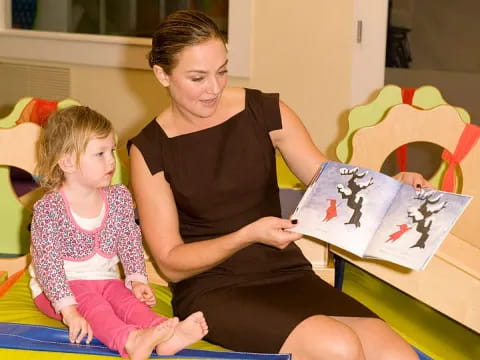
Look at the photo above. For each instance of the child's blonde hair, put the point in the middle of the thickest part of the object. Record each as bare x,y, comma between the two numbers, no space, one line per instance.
67,132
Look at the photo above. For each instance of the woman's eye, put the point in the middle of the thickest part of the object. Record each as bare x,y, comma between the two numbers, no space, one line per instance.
197,79
223,72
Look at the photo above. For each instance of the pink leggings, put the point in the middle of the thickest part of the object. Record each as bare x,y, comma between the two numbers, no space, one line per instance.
110,308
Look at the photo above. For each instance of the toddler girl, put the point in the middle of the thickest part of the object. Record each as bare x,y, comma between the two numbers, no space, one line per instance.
81,229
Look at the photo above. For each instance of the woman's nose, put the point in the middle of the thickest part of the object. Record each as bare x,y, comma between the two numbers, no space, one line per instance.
214,86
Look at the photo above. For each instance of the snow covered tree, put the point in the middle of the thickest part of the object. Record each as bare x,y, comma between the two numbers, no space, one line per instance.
351,192
422,215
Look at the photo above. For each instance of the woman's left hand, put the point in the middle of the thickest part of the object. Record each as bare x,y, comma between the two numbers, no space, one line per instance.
414,179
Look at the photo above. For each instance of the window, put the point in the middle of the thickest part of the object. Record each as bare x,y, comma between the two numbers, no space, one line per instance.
108,17
110,33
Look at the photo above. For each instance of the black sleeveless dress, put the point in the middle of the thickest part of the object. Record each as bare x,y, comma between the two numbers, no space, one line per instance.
224,178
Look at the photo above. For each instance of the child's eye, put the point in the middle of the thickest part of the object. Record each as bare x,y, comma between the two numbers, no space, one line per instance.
223,72
99,153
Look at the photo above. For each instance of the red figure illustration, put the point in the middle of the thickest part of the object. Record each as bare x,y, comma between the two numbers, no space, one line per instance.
396,235
331,211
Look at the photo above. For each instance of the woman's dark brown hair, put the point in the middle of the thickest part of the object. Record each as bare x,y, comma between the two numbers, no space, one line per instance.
180,29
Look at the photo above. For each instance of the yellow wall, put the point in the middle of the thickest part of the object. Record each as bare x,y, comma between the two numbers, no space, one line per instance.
129,98
303,52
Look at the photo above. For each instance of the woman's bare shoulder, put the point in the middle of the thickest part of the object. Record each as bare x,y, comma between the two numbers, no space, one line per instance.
165,121
234,95
233,100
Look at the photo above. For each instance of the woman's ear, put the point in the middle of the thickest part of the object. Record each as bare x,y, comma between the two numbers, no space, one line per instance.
68,163
161,75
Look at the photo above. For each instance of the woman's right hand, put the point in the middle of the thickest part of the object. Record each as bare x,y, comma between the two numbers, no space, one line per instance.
78,327
271,231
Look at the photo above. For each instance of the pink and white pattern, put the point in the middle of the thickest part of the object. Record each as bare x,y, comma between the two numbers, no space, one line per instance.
56,237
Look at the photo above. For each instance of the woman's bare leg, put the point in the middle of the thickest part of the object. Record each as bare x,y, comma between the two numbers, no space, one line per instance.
321,337
379,341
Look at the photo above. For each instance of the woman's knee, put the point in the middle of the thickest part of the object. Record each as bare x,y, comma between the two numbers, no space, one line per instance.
342,343
397,346
321,337
379,340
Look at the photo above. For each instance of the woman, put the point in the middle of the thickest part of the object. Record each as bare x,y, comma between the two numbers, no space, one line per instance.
203,175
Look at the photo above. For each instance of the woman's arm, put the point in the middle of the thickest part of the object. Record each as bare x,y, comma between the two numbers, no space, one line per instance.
303,157
296,146
159,223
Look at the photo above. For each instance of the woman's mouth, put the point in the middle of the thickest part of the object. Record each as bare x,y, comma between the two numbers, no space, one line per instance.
209,102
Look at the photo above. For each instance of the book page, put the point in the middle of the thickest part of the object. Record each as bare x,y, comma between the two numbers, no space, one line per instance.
344,205
415,226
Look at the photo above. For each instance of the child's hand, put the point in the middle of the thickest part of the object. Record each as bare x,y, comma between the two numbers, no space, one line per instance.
78,327
144,293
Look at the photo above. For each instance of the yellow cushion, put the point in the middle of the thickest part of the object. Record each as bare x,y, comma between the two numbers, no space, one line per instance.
17,306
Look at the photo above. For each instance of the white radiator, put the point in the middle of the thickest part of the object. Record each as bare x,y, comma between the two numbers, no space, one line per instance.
22,80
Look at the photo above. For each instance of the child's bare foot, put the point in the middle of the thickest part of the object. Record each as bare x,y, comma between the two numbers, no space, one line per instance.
187,332
140,343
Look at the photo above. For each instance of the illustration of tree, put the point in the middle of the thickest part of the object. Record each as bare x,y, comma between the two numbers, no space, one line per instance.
351,192
422,215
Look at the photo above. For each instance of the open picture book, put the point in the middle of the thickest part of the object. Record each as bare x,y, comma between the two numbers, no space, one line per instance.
373,215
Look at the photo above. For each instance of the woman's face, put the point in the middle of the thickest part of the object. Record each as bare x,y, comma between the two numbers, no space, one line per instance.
197,81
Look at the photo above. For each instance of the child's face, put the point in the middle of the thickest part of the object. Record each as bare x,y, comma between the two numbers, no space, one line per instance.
97,164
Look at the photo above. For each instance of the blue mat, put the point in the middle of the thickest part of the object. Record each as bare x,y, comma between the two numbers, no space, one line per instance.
45,338
422,356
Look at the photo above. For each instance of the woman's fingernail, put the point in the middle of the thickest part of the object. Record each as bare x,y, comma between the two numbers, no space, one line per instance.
294,221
